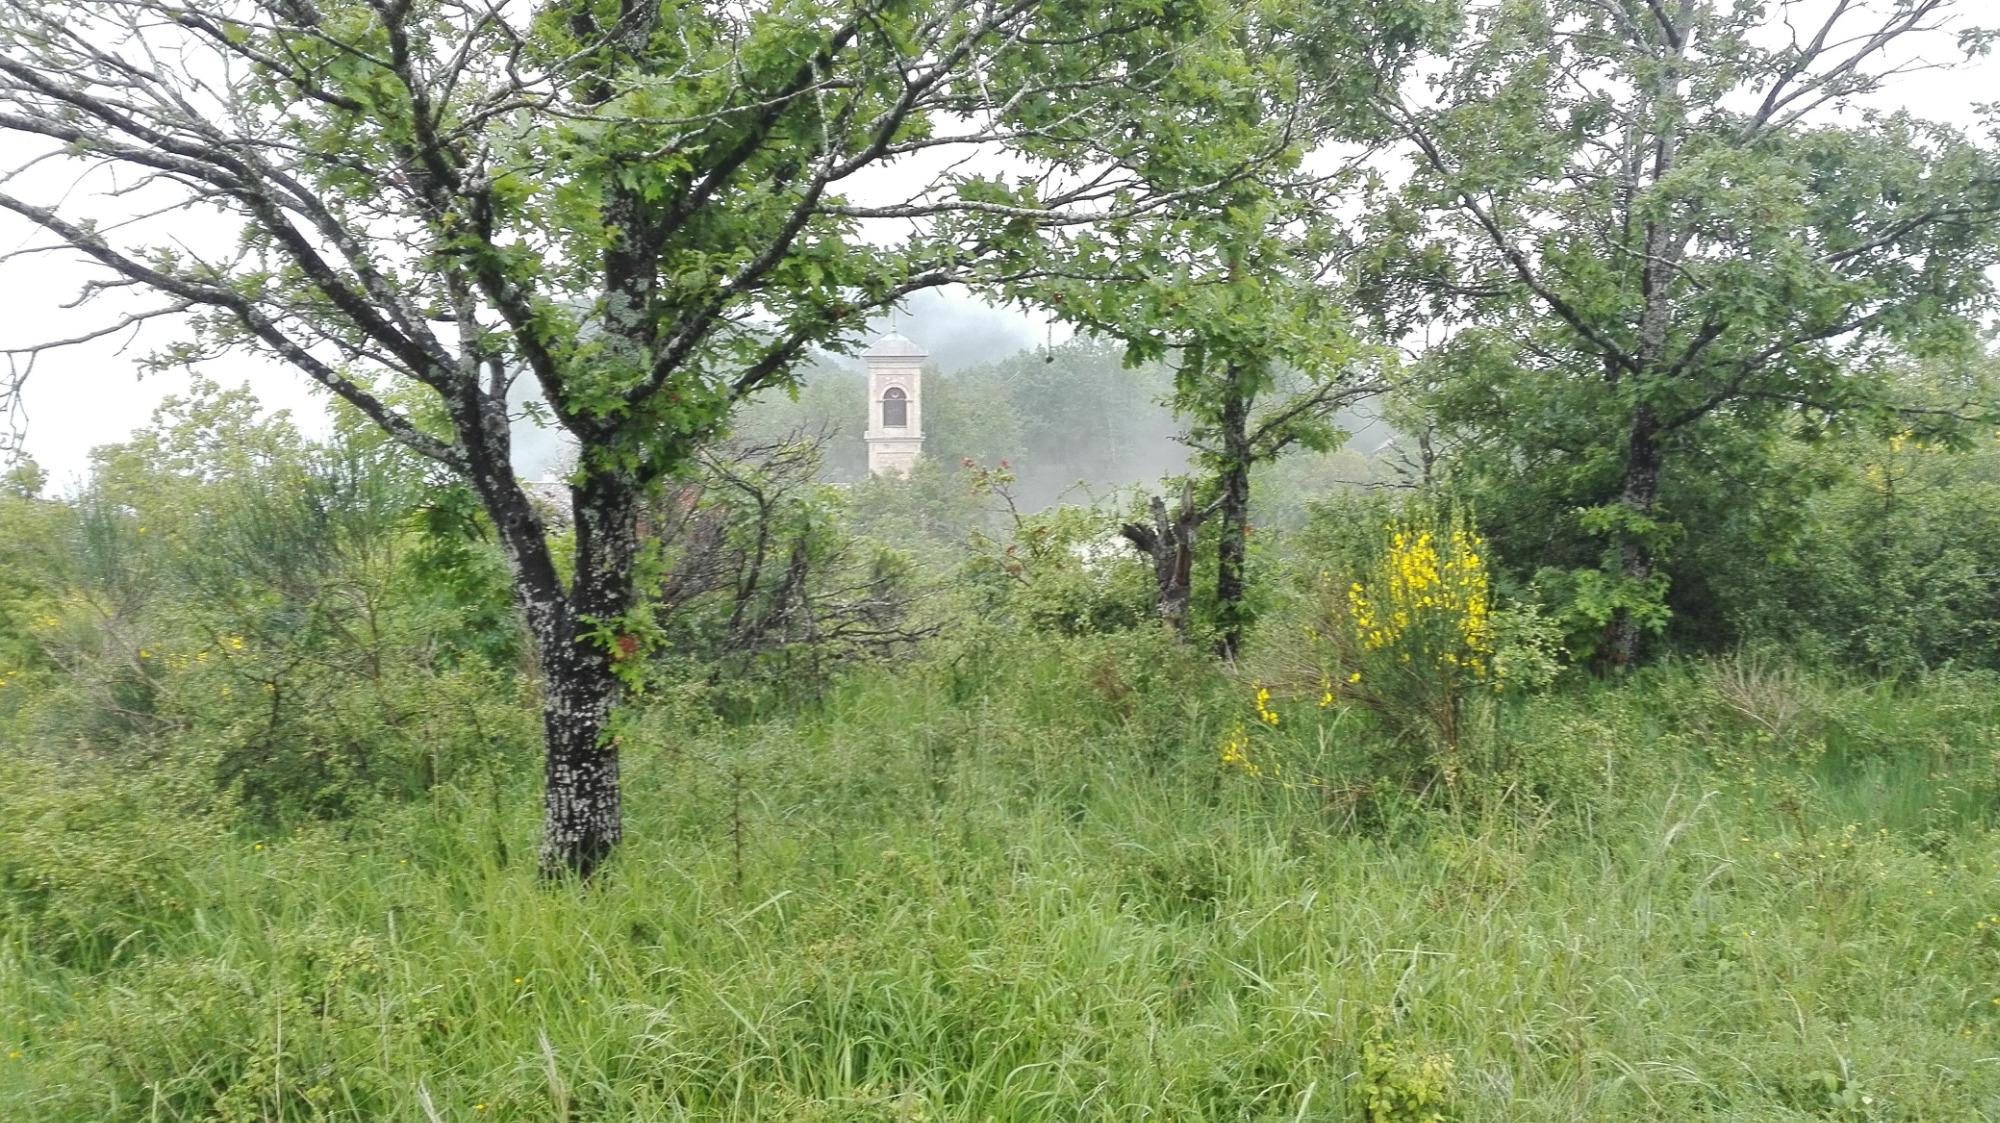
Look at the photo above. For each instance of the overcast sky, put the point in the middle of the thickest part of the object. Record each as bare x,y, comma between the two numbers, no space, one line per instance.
91,395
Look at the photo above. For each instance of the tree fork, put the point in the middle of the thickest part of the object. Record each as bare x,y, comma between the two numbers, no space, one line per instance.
1170,543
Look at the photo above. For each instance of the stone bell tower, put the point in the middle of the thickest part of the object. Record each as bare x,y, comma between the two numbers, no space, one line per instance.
895,431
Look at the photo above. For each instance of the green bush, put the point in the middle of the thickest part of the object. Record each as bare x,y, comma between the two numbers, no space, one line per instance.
284,618
1404,634
93,866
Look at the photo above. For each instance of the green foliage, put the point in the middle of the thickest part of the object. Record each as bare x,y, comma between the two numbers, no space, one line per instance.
1399,1086
933,510
1228,280
830,401
1891,568
1400,627
1008,886
266,705
454,570
92,862
1667,261
1063,570
27,594
648,212
310,625
1057,416
764,584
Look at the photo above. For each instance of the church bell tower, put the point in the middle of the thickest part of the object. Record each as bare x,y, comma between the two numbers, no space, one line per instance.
895,432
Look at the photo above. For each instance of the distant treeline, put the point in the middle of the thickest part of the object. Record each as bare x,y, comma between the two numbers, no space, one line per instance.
1071,421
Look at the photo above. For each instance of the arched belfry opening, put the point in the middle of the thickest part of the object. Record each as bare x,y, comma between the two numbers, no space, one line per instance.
895,431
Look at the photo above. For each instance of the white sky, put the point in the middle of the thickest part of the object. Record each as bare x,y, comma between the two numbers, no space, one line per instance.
89,395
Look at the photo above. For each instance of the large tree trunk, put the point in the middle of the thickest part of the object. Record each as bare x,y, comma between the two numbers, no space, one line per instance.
1643,457
582,821
582,812
1232,545
582,816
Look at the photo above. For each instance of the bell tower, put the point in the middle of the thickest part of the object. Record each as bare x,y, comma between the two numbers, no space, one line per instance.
895,432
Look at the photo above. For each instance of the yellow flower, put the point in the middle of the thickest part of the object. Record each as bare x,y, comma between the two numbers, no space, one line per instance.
1236,752
1354,678
1264,711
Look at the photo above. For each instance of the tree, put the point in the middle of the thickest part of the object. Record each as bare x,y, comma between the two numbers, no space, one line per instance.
651,211
1657,235
1234,284
1258,325
26,521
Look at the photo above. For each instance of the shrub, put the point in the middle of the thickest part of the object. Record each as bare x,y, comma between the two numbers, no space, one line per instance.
1400,1084
284,620
1407,632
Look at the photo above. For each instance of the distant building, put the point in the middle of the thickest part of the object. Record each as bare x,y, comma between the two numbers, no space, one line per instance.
550,498
895,431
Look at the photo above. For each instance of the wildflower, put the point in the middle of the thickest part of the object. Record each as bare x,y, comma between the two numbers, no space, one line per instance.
1423,579
1236,753
1264,711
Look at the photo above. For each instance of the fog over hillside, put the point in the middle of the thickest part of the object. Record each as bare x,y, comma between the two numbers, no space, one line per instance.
1070,421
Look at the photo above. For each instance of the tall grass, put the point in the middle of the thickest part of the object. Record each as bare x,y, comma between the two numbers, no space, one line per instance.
1033,895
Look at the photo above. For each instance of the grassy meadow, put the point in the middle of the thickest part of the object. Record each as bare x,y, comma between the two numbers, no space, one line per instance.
1421,561
1028,890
